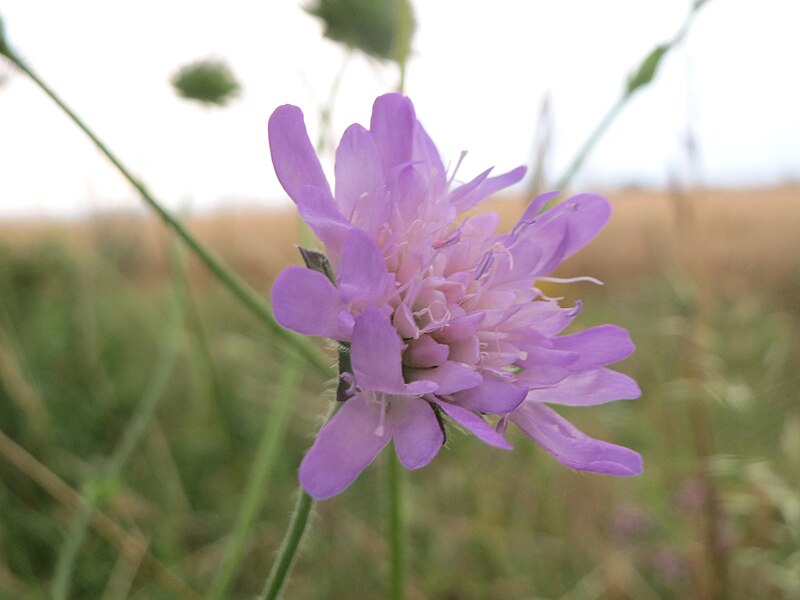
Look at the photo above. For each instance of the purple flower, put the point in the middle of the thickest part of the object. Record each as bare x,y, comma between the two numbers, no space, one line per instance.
440,313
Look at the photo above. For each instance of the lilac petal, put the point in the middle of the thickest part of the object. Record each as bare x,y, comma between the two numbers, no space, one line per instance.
572,447
362,272
360,184
415,430
392,127
588,388
530,214
376,354
344,447
425,151
466,351
317,209
451,377
553,240
597,346
424,353
460,328
307,302
584,216
522,263
295,161
475,424
486,188
493,395
464,192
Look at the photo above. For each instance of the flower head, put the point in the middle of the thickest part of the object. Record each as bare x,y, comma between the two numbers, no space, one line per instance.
440,313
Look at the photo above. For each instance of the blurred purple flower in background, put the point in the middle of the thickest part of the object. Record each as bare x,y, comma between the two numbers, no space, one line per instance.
440,313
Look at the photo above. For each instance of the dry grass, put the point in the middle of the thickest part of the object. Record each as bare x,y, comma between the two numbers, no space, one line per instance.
735,237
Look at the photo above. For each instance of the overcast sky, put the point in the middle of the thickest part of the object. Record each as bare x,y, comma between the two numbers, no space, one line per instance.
478,76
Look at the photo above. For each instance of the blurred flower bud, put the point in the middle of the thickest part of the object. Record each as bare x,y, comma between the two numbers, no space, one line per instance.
380,28
206,81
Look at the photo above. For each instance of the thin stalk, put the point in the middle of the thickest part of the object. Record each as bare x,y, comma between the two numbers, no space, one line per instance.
288,551
240,289
257,484
397,562
165,364
293,537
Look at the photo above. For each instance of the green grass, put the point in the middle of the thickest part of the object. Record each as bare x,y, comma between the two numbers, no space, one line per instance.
80,337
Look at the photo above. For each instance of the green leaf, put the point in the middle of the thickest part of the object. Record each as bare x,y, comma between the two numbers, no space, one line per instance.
4,49
647,70
379,28
206,81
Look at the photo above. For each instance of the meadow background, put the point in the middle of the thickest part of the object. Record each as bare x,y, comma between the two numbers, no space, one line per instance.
707,282
139,398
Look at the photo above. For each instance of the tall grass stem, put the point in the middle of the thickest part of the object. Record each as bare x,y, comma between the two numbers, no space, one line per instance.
165,365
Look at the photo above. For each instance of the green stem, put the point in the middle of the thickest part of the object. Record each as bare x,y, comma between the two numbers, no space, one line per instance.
627,94
68,554
223,273
257,484
293,538
397,563
288,551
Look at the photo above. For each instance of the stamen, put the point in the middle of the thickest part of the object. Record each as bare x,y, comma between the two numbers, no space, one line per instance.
458,164
484,265
576,309
571,279
520,226
453,238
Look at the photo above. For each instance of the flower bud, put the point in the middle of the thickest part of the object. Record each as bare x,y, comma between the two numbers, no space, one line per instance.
206,81
379,28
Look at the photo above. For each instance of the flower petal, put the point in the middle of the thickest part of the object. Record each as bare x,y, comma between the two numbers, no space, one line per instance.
392,127
317,209
531,213
493,395
588,388
597,346
425,152
425,352
295,161
415,429
459,328
360,184
570,446
464,200
307,302
569,226
376,354
362,272
476,425
344,447
451,376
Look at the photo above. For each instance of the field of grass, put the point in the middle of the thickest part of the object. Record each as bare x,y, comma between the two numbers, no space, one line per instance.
103,317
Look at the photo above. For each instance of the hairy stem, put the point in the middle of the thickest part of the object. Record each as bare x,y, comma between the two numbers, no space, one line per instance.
291,543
